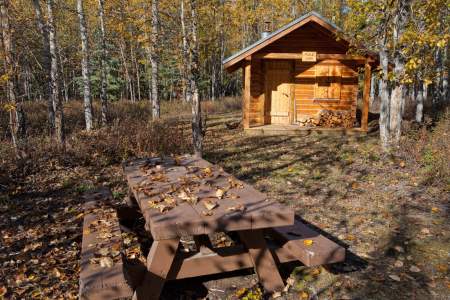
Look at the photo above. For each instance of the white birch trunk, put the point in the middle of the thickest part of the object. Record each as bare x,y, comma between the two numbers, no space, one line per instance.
154,59
85,67
56,98
185,51
384,98
46,62
103,66
197,124
419,102
397,96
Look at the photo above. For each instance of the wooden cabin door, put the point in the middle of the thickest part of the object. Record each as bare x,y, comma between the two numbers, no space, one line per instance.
279,89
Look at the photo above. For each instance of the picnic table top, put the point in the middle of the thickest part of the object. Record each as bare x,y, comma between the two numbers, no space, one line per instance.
190,196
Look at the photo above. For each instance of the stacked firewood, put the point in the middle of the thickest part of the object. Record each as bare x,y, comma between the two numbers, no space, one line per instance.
328,119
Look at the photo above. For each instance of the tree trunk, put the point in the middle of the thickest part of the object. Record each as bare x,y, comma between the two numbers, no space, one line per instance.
63,77
185,51
54,75
419,102
397,96
85,67
46,62
103,66
384,97
16,114
154,57
197,124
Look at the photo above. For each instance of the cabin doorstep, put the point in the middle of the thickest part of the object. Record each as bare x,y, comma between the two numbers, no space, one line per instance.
301,76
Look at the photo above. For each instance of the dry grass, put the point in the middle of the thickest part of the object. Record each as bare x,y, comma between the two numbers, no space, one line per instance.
429,148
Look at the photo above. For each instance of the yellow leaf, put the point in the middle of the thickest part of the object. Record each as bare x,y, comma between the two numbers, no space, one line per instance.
3,291
304,295
308,242
240,292
9,107
442,268
435,209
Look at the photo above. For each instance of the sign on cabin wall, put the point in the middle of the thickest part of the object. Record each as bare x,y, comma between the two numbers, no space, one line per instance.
309,56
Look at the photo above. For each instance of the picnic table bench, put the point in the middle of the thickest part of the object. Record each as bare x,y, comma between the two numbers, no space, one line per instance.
187,196
102,274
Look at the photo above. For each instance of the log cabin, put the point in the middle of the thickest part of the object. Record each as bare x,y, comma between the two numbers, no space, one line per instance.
301,76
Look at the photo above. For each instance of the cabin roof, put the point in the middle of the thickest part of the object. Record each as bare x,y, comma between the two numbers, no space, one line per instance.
283,31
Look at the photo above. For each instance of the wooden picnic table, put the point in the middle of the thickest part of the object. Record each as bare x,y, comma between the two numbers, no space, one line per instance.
187,196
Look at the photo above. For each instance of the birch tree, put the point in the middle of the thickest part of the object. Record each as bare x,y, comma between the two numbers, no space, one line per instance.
16,113
103,65
397,97
154,59
85,66
185,55
46,61
54,76
197,124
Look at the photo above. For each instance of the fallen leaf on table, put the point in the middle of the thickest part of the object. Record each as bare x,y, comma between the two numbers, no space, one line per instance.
170,200
395,278
220,193
308,242
414,269
209,204
239,207
103,251
106,262
183,195
276,295
207,171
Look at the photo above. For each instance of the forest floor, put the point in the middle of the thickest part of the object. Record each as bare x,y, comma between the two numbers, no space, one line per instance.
395,223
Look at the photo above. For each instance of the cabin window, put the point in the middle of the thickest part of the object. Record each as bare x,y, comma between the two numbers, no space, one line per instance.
328,83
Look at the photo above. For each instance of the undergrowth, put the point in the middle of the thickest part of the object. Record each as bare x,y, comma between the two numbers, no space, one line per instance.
430,149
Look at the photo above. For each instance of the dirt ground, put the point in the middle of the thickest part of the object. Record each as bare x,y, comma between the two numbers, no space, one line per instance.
395,225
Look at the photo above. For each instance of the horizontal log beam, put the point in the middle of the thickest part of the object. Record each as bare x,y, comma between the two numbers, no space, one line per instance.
298,56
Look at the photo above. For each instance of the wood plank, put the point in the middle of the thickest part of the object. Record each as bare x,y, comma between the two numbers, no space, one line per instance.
98,282
262,260
321,251
320,56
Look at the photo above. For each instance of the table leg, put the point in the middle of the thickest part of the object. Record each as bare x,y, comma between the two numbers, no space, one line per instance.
159,262
262,259
203,244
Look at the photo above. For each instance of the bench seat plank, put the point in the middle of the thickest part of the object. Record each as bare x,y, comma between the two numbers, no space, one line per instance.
100,282
322,251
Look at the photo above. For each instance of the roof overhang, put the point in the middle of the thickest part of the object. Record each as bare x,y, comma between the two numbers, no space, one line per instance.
238,59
